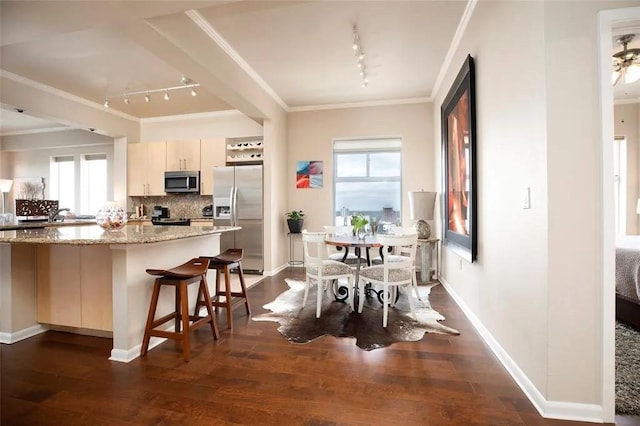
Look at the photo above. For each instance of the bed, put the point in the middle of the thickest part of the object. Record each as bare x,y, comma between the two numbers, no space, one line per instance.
628,280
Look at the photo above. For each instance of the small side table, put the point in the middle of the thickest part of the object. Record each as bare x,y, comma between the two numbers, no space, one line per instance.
427,247
292,246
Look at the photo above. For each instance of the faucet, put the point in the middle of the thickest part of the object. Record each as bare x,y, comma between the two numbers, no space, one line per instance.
54,214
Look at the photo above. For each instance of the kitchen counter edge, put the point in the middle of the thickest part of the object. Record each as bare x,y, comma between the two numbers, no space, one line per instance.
93,235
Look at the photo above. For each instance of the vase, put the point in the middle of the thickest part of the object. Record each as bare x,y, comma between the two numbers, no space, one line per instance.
295,225
361,233
110,217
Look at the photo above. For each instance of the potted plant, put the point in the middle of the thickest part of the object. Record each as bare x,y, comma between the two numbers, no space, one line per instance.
359,222
295,221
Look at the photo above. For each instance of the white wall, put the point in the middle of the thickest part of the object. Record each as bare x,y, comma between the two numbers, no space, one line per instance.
225,124
311,136
536,288
35,163
506,287
627,124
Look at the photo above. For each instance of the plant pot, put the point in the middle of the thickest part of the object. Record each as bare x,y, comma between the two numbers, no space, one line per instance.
295,225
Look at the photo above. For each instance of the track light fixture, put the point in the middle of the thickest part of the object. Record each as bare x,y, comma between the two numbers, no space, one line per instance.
359,52
187,83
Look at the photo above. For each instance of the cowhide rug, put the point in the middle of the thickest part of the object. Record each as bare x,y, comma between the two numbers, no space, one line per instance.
300,325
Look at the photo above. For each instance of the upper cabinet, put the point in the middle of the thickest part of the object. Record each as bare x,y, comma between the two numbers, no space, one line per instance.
183,155
146,163
212,154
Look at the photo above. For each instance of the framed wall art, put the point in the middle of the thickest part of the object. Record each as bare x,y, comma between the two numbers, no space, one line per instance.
309,174
459,165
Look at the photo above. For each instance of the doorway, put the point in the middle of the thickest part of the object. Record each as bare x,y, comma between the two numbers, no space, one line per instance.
608,21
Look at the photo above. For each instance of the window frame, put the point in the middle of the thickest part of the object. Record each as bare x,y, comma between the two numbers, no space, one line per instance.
366,146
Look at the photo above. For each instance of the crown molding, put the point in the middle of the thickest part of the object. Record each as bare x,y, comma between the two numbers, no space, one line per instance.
626,101
455,42
194,116
66,95
33,131
208,29
362,104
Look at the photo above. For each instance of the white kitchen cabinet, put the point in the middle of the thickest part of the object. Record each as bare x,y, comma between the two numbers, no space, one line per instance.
213,154
146,164
183,155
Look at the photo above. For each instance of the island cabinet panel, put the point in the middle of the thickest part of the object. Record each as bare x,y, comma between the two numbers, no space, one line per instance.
23,287
74,286
183,155
212,154
96,290
146,164
58,285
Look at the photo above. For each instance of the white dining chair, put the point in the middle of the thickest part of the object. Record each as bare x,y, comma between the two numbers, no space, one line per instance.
320,269
343,255
400,230
396,270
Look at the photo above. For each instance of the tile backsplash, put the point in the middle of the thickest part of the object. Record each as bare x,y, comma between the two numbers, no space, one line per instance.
180,205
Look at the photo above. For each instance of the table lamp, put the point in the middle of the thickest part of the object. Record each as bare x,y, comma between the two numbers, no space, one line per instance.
5,187
421,204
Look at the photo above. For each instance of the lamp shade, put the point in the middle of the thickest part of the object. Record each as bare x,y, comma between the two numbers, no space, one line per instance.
5,185
421,204
638,207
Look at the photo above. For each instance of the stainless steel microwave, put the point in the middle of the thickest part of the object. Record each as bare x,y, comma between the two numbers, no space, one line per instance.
183,181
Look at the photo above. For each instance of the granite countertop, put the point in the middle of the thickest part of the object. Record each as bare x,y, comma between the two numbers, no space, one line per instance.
83,234
44,224
78,222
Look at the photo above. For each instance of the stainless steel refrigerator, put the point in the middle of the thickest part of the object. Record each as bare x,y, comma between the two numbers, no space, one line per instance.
237,201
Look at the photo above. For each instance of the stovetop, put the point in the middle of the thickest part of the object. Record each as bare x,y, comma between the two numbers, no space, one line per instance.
171,221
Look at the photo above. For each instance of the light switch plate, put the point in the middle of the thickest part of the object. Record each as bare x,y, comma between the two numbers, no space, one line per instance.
527,198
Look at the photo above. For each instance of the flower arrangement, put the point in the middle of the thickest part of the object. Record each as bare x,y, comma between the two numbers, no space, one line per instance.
359,222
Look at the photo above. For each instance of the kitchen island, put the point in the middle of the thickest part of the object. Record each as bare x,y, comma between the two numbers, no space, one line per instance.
86,280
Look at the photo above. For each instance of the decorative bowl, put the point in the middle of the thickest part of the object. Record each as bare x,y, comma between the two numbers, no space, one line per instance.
111,217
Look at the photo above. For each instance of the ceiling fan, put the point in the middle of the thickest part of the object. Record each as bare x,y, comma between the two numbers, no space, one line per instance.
626,63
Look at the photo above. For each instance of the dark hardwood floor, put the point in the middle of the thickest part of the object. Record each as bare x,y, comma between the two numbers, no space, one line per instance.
252,375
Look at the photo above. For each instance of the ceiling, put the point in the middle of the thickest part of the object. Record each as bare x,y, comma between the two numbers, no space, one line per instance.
298,51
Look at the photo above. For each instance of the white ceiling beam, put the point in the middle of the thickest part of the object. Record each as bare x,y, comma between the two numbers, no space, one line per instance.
178,41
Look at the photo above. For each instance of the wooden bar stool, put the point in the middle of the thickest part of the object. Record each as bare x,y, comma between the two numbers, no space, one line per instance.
230,258
180,277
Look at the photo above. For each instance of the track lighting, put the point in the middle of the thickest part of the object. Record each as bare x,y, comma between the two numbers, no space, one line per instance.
129,97
359,52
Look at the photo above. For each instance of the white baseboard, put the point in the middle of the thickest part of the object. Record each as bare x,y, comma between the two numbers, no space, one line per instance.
9,338
548,409
128,355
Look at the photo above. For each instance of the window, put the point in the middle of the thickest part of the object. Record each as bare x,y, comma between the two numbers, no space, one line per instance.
367,179
620,184
79,185
93,182
62,170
